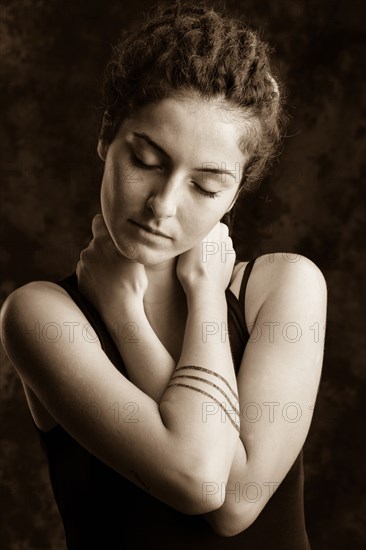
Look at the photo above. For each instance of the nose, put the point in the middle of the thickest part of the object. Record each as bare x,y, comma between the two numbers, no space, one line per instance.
162,202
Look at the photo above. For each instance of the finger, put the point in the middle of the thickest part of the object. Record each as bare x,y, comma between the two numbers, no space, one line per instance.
82,258
90,253
98,225
225,228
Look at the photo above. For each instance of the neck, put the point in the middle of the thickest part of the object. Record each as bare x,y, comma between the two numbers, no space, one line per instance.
164,284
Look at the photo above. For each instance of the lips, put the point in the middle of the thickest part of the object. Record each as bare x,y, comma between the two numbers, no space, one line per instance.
151,229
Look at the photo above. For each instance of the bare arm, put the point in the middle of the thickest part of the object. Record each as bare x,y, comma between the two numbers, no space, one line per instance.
295,297
279,374
70,376
149,365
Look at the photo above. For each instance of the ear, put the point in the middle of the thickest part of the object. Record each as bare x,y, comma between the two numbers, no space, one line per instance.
102,149
234,200
232,204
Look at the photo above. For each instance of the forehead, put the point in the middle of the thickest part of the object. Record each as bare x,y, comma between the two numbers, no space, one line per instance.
190,130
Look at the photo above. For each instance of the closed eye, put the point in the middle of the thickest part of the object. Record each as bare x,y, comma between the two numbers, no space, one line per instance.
138,162
210,194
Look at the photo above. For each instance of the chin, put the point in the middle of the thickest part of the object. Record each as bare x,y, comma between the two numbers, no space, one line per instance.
139,253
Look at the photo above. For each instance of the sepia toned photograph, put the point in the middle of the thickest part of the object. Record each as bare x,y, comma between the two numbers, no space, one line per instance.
182,275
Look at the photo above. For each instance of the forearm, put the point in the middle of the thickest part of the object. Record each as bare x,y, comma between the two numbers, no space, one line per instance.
206,342
205,416
149,365
204,410
67,375
223,520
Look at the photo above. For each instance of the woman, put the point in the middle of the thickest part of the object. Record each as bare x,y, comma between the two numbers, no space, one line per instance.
172,387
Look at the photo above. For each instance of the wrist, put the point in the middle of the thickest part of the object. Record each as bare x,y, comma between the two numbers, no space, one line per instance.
203,289
130,309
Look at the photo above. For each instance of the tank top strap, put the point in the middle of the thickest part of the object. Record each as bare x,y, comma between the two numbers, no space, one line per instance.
244,282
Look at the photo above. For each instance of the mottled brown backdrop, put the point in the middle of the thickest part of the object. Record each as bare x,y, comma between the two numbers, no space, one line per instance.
52,58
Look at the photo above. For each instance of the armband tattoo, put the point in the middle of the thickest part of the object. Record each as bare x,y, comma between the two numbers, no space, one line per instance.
211,384
211,397
208,371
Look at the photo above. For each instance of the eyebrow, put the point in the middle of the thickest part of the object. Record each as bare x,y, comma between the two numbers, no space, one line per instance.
156,146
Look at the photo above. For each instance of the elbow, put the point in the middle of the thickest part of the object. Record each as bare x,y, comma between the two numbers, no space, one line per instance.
200,477
204,493
201,498
231,530
233,524
195,505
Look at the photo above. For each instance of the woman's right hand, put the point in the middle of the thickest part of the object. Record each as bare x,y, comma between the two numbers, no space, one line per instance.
105,277
210,263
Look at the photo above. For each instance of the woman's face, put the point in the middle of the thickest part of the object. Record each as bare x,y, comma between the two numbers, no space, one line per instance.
164,172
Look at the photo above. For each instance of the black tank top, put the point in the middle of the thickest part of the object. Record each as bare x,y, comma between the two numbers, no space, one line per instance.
102,509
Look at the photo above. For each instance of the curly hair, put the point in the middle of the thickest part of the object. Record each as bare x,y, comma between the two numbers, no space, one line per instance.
192,47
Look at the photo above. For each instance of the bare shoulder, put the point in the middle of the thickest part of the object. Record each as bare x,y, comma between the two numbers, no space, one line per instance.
42,301
35,290
275,274
41,310
277,268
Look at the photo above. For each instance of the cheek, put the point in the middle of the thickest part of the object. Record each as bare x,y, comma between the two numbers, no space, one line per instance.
109,202
120,186
198,222
104,200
